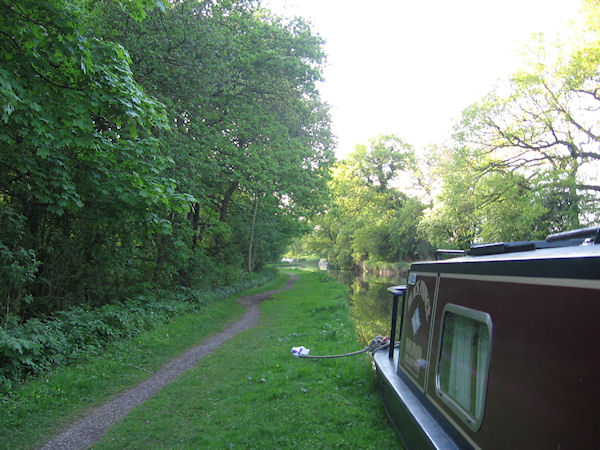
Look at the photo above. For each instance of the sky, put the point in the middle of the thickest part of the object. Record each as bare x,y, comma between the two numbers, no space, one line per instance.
411,67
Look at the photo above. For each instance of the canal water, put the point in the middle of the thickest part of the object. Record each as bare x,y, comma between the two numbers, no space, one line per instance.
370,303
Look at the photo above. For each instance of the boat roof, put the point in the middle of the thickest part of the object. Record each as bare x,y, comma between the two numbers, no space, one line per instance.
565,255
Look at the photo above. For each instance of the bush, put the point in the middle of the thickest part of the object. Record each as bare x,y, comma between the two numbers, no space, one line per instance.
38,345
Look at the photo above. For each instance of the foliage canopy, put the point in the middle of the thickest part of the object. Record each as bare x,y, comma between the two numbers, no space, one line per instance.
147,143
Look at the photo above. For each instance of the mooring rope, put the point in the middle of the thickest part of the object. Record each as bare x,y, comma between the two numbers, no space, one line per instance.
377,343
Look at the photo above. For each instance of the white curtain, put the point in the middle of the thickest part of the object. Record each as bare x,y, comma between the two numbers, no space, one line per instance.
465,355
461,364
483,356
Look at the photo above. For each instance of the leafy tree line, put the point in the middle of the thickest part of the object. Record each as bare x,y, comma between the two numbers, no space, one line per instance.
148,144
524,162
525,159
369,216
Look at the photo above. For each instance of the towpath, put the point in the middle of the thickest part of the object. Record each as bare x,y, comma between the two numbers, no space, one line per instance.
97,421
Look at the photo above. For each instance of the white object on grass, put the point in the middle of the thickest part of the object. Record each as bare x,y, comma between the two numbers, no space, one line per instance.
300,351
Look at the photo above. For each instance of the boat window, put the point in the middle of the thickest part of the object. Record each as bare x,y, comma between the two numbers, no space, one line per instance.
463,362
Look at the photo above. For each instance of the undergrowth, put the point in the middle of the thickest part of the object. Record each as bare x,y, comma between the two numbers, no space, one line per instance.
38,345
41,407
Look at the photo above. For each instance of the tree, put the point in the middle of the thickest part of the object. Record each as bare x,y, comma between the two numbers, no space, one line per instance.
381,163
248,127
151,143
368,217
543,125
525,158
478,206
83,179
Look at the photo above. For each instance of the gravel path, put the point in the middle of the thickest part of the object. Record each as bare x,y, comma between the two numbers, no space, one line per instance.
96,422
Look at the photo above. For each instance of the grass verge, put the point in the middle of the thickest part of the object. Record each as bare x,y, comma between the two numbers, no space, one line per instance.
36,410
251,393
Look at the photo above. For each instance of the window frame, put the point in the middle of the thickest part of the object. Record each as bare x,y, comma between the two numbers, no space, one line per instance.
474,423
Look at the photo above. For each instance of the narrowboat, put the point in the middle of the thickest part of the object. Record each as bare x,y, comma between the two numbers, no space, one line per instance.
498,348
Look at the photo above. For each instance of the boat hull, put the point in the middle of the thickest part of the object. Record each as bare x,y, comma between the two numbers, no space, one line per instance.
417,427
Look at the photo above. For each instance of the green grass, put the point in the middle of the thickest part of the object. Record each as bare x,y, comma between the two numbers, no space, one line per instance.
251,393
40,408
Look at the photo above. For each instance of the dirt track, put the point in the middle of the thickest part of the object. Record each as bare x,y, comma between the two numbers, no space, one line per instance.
97,421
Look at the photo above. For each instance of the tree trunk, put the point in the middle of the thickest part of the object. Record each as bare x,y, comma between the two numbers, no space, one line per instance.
252,235
226,200
194,215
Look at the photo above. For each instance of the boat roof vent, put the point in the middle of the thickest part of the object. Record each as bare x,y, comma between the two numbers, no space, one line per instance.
566,239
501,247
592,233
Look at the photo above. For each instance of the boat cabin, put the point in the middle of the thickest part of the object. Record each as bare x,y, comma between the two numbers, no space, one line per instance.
498,348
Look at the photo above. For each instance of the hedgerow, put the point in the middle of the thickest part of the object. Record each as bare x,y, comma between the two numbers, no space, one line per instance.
38,345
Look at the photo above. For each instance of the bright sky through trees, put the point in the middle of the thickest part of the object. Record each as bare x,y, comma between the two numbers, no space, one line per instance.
410,68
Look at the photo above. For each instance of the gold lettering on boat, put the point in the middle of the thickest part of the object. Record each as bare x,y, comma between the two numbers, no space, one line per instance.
420,291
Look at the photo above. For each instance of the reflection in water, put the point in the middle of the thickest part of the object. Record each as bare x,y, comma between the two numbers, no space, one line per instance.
370,304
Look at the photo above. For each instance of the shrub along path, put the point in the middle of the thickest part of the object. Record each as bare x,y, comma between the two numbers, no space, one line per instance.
95,423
